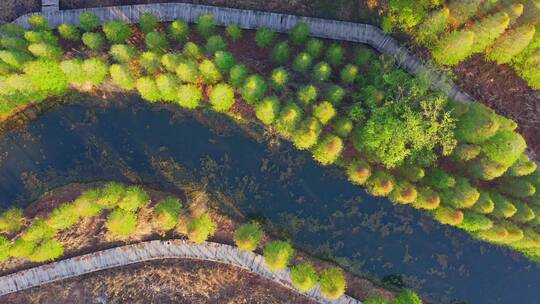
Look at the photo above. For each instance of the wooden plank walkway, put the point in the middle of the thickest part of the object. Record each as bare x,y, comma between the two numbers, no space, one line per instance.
249,19
154,250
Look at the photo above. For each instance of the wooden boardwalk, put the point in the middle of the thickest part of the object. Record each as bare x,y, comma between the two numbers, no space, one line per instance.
154,250
249,19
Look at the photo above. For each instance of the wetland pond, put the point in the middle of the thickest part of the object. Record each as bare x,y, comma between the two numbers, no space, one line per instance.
316,206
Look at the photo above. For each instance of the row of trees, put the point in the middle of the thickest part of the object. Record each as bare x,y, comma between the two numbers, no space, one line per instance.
36,241
504,33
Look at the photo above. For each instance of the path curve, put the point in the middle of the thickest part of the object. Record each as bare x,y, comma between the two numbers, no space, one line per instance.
154,250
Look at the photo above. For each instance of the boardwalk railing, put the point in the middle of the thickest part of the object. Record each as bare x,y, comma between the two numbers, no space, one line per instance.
154,250
249,19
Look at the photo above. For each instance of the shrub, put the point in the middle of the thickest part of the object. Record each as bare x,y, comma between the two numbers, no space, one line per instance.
264,37
253,89
335,55
289,117
167,86
484,204
328,150
209,72
439,179
148,22
192,50
4,249
307,94
96,70
426,199
206,25
39,23
299,34
45,51
465,152
324,112
110,195
473,221
166,212
178,30
302,62
122,76
38,230
93,41
62,217
314,47
156,41
462,195
454,47
267,109
69,32
189,96
279,78
307,134
151,62
85,205
233,32
47,76
14,43
200,228
485,169
117,31
477,124
503,207
238,74
21,248
380,183
332,282
215,43
222,97
304,277
523,166
277,254
47,251
89,21
321,71
224,61
11,220
348,74
248,236
281,52
448,216
505,147
121,222
187,71
15,59
123,52
407,297
134,198
171,61
403,193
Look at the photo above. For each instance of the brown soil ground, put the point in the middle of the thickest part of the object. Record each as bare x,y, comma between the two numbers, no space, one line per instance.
166,281
90,235
11,9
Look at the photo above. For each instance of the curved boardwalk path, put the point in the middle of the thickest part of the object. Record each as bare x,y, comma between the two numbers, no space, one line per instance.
249,19
153,250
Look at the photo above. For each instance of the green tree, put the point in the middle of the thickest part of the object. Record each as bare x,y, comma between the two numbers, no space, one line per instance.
14,59
486,169
170,61
39,23
178,30
21,248
85,205
403,193
335,54
448,216
89,21
264,37
487,30
407,297
156,42
279,78
147,88
454,47
96,70
110,195
200,228
277,254
134,198
167,86
209,72
342,126
348,74
12,30
238,74
253,89
314,47
14,43
233,31
189,96
93,41
62,217
505,147
375,299
4,249
166,212
121,222
465,152
429,30
462,195
206,25
523,213
215,43
222,97
116,31
69,32
11,220
503,207
302,62
511,43
473,221
122,76
516,187
289,118
307,134
380,183
462,10
299,34
267,109
192,50
187,71
328,150
494,234
45,51
307,94
148,22
47,251
123,52
41,36
321,72
281,53
47,76
224,61
37,231
324,112
304,277
523,166
485,204
358,171
427,199
439,179
411,172
332,282
248,236
477,124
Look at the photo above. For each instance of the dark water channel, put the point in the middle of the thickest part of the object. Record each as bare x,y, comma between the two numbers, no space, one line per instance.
321,211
